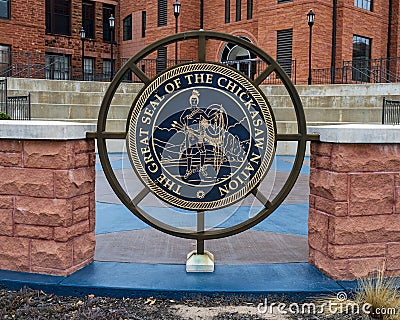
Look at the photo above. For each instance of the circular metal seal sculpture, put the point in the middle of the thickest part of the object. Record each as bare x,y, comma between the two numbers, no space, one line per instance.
201,136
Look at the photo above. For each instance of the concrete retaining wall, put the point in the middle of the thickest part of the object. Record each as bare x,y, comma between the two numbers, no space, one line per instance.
323,104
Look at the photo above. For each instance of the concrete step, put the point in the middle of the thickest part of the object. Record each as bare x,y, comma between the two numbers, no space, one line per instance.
77,111
68,86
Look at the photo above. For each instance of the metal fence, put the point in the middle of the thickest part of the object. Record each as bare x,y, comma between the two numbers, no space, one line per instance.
390,112
360,71
3,95
17,107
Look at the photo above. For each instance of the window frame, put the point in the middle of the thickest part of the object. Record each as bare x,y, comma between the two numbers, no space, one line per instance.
361,62
88,68
87,23
250,7
53,17
107,11
8,10
127,28
61,73
238,6
144,23
227,11
5,57
367,5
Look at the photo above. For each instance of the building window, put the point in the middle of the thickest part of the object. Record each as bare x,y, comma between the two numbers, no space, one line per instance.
88,68
238,10
361,59
161,62
283,1
58,17
239,58
144,23
5,9
363,4
57,67
5,60
162,13
88,18
227,11
284,50
249,9
127,28
106,69
107,12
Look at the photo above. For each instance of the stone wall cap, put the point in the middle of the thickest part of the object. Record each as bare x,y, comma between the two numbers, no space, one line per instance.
44,130
357,133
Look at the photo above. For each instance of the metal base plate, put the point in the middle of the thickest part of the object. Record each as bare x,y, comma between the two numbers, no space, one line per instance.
200,262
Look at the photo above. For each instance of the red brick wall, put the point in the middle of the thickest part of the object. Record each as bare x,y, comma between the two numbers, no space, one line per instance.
268,17
354,217
47,205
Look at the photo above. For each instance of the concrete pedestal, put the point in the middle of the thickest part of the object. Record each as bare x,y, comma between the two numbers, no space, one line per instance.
47,200
200,262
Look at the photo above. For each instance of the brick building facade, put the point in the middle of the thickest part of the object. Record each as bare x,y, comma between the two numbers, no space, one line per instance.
362,29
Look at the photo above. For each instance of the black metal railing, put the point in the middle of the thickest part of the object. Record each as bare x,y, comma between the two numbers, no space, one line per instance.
390,112
3,95
19,107
360,71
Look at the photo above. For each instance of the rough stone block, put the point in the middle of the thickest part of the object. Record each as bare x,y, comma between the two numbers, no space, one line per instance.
337,269
358,268
64,234
82,160
42,211
6,202
71,183
27,182
48,154
33,232
371,194
323,163
10,145
361,250
10,159
328,184
311,201
92,212
51,254
81,214
318,230
331,207
6,222
80,202
84,146
393,256
14,254
84,247
364,229
321,148
363,158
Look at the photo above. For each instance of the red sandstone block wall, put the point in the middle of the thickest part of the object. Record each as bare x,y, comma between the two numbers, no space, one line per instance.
47,205
354,215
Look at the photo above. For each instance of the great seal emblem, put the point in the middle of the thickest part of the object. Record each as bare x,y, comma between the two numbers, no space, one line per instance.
201,136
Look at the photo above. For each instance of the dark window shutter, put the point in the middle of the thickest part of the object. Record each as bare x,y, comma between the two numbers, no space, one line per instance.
161,63
162,13
284,49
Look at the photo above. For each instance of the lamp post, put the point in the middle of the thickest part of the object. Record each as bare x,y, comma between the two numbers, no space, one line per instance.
177,11
111,22
310,19
83,36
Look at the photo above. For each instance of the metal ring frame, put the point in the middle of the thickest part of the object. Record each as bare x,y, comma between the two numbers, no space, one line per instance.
300,137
